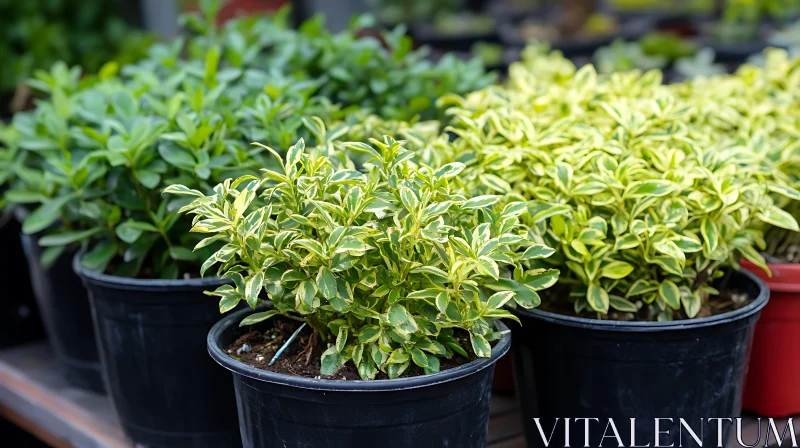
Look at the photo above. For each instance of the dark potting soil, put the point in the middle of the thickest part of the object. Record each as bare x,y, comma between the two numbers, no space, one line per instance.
302,357
728,300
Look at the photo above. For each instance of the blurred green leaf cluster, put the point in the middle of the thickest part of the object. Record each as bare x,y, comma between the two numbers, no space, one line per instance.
34,34
90,162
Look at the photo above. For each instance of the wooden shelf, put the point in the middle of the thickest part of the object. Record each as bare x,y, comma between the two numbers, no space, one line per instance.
35,396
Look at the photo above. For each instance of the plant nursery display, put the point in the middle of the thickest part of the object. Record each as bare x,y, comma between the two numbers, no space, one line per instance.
649,210
384,275
356,229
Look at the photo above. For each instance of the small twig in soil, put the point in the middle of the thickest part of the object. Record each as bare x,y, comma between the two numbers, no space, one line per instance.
285,345
311,342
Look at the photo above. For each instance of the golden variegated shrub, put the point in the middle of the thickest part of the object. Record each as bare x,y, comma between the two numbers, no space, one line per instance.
648,191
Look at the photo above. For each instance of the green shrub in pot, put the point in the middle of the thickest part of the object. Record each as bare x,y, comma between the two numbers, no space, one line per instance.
383,266
645,212
107,151
755,116
650,211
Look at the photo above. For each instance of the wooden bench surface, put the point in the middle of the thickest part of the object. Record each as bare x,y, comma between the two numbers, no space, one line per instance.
35,396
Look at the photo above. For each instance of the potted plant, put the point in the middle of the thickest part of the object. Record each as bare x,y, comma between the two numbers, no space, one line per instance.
60,297
765,144
19,313
97,158
380,296
649,219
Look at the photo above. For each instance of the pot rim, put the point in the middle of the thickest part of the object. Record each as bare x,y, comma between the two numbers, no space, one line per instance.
238,367
785,276
644,327
113,281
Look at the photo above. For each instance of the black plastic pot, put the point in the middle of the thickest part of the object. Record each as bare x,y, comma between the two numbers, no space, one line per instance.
424,34
64,308
150,333
19,314
449,408
571,47
568,367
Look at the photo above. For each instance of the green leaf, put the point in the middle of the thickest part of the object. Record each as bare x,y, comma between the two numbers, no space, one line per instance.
182,254
550,211
50,255
537,251
341,338
431,271
176,156
400,318
498,299
710,236
66,238
616,270
495,183
24,197
627,241
295,153
419,357
433,365
258,317
539,279
306,292
670,293
779,218
650,188
623,305
784,190
326,283
692,305
149,179
331,361
640,287
480,346
182,190
128,232
98,258
46,215
449,170
598,298
410,201
399,356
369,333
395,370
489,267
671,250
480,202
253,289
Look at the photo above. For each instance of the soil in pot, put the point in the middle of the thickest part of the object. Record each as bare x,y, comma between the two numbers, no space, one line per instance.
771,387
573,367
302,356
64,308
19,314
165,389
449,408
